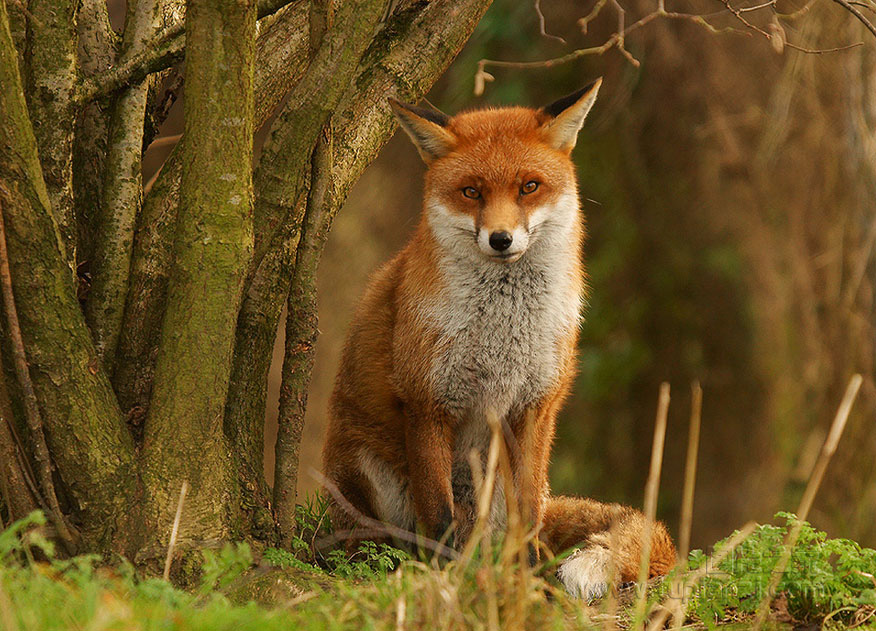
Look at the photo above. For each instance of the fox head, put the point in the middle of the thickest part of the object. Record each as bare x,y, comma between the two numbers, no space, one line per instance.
499,180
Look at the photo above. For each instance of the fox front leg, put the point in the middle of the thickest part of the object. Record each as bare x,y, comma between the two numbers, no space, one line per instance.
428,443
534,432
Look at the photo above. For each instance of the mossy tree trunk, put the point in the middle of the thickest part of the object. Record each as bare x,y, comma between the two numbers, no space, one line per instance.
183,438
157,377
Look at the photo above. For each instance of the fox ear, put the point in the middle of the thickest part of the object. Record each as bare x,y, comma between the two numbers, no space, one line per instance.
427,129
565,117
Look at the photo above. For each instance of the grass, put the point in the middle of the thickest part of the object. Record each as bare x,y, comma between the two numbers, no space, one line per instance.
828,581
768,576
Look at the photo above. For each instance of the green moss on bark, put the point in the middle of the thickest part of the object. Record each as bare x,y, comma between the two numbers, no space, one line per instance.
89,443
183,438
278,65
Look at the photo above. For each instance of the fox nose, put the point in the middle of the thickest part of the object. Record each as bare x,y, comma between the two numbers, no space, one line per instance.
501,241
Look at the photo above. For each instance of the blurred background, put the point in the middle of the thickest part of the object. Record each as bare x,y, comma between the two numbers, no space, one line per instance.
729,189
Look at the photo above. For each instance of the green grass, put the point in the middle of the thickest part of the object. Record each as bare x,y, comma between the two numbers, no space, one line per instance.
379,587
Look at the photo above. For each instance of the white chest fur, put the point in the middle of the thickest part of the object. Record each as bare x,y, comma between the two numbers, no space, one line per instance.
501,324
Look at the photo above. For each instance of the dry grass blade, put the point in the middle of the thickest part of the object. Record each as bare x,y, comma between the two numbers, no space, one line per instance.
175,529
690,471
827,451
651,488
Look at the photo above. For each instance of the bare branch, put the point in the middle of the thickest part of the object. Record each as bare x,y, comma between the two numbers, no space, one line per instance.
121,195
861,17
302,331
538,12
281,49
618,38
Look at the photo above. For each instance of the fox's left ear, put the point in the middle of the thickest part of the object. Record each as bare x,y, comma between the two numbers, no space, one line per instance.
565,117
427,129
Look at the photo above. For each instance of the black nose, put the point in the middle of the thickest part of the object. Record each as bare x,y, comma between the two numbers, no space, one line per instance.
501,241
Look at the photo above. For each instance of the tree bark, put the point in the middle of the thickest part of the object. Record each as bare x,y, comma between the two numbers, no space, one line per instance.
16,491
121,195
183,438
91,448
280,173
98,47
278,65
302,331
51,83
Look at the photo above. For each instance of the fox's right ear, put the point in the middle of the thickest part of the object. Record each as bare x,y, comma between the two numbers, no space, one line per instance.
427,128
565,117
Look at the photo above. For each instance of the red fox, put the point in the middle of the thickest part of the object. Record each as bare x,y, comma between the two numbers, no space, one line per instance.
479,315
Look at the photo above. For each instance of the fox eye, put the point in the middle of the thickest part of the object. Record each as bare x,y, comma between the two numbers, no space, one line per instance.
471,192
529,187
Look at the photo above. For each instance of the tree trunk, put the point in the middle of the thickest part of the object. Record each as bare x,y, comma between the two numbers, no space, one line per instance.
183,439
90,446
281,47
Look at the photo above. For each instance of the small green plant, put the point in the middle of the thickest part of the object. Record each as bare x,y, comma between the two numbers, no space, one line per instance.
219,569
825,577
370,561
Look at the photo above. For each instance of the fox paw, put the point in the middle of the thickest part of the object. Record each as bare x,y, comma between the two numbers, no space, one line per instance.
585,573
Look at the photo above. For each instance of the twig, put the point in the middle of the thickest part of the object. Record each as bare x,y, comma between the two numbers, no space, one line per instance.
861,17
378,526
811,51
175,529
827,451
621,17
31,407
537,6
651,488
690,471
864,5
584,22
617,40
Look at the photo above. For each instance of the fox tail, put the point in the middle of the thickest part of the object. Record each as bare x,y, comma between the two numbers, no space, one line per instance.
608,538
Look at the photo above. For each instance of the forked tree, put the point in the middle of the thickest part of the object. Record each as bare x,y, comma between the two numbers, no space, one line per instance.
138,321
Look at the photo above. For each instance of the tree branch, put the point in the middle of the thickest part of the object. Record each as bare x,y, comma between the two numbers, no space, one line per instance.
857,13
51,83
404,60
163,51
302,331
279,180
121,195
279,175
98,48
616,40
